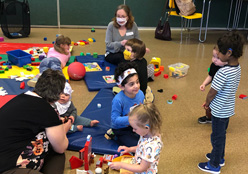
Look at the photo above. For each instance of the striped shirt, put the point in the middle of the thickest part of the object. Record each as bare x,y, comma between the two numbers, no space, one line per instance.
225,82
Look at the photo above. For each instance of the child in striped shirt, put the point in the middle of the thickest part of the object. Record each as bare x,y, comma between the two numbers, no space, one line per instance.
221,98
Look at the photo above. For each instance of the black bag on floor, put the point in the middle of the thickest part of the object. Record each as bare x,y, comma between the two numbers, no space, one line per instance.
163,30
15,18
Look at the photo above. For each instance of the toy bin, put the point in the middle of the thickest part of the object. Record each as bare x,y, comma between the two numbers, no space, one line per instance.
19,57
178,70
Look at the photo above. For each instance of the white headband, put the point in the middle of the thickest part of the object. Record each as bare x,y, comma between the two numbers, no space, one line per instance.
125,74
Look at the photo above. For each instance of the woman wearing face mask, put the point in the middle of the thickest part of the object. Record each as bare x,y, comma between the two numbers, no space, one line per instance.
120,29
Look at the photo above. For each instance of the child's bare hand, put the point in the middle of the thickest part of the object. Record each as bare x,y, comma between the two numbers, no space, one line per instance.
72,119
123,149
123,42
147,50
205,106
202,87
94,122
62,119
115,165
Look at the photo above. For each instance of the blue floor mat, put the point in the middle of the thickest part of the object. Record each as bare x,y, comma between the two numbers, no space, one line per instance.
94,80
13,87
100,144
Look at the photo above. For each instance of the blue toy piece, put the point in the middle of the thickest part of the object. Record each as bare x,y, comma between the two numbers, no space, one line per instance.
45,38
88,54
94,40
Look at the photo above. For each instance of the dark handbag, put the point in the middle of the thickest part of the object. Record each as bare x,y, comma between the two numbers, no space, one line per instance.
163,31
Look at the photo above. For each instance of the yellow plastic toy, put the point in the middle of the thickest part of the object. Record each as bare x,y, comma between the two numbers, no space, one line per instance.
90,40
156,62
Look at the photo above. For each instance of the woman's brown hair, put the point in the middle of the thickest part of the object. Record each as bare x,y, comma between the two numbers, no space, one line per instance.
130,21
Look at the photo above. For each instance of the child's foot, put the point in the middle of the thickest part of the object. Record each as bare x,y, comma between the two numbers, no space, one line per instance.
206,167
80,128
94,122
149,95
204,120
222,161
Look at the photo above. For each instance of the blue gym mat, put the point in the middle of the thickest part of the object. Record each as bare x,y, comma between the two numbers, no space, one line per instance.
100,144
13,87
94,80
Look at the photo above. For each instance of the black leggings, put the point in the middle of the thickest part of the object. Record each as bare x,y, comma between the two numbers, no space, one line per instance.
126,136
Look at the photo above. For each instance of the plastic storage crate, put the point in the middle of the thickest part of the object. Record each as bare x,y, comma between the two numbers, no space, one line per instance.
19,57
178,70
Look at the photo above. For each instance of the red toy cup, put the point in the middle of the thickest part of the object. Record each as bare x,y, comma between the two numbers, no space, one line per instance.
166,76
174,97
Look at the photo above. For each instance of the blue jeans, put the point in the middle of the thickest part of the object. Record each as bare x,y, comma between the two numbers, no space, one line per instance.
218,140
51,62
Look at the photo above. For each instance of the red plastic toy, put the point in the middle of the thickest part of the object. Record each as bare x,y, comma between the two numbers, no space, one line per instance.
87,152
2,62
157,73
242,96
35,63
75,162
22,85
166,76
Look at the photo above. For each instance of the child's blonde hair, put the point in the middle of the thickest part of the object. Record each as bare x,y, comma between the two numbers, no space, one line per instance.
147,115
61,40
138,47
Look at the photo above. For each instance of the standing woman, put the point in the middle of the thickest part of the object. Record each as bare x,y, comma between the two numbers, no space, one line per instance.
120,29
33,138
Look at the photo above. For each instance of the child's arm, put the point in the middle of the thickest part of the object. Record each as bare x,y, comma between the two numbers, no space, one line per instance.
126,149
206,82
117,119
136,168
211,95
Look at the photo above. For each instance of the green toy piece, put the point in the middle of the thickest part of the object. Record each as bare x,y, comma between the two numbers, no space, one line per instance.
81,54
95,55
